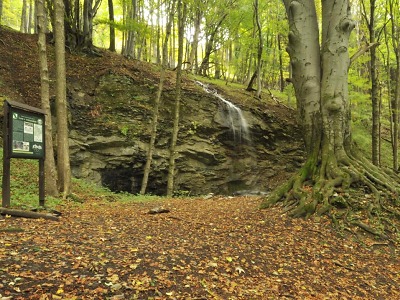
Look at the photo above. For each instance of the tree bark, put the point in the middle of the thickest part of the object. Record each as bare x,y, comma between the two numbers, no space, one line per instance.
395,41
24,18
259,49
157,101
204,66
333,162
30,24
1,10
178,90
63,162
158,34
112,28
376,113
304,51
50,167
195,43
129,49
27,214
281,77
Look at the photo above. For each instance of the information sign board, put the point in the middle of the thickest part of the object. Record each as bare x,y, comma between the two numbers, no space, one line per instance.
23,137
27,134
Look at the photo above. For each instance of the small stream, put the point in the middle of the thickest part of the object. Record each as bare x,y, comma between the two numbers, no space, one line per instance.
235,118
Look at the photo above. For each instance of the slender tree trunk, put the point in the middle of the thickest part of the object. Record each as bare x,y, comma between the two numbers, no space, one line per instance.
395,113
50,166
112,28
178,89
158,35
30,23
260,48
89,12
157,101
203,70
376,113
395,78
394,107
251,81
86,16
281,78
35,19
131,34
1,10
195,43
63,162
24,20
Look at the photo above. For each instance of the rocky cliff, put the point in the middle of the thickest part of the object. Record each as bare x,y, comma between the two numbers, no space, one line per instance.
109,140
110,102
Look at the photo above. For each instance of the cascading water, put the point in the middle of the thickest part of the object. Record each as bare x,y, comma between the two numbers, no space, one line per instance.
235,118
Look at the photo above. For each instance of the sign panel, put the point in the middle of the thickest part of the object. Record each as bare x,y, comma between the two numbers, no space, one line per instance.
23,137
27,134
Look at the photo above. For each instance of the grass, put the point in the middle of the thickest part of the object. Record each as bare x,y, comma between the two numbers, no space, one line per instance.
24,188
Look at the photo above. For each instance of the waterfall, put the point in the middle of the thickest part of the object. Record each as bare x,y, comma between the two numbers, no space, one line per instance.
235,118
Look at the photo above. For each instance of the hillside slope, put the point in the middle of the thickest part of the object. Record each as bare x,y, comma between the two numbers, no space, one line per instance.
110,101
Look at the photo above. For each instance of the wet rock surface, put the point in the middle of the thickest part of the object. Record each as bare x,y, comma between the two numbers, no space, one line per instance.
109,140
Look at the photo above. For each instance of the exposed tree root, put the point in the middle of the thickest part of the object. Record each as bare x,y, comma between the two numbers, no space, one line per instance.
353,192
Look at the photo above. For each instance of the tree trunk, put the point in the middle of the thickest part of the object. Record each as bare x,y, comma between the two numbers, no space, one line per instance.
281,78
158,33
131,34
63,162
157,101
195,42
376,113
394,77
112,28
87,4
50,167
395,112
178,89
304,51
333,163
31,19
79,28
260,48
89,12
27,214
1,10
251,82
204,66
24,19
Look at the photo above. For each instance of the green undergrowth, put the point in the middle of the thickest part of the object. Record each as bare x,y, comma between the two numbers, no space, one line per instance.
24,177
84,190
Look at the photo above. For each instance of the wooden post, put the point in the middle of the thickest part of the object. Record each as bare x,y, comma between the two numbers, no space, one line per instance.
6,157
41,182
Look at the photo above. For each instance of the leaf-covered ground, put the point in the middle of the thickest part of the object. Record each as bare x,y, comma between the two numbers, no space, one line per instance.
220,248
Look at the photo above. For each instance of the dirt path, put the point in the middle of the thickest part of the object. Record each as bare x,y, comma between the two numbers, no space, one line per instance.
219,248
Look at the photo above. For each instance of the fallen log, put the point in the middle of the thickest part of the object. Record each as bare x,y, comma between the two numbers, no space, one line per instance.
27,214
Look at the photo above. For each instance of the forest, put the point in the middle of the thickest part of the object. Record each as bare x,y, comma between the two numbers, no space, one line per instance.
245,44
336,64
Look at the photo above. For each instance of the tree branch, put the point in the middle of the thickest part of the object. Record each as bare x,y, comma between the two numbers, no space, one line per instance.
362,50
27,214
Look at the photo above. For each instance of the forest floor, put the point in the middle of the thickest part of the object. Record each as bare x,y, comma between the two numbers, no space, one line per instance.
219,248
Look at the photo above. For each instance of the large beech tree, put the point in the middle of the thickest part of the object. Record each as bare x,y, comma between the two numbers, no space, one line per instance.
320,65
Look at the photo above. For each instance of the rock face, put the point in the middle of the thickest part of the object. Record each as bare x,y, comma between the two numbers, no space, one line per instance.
110,102
110,134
